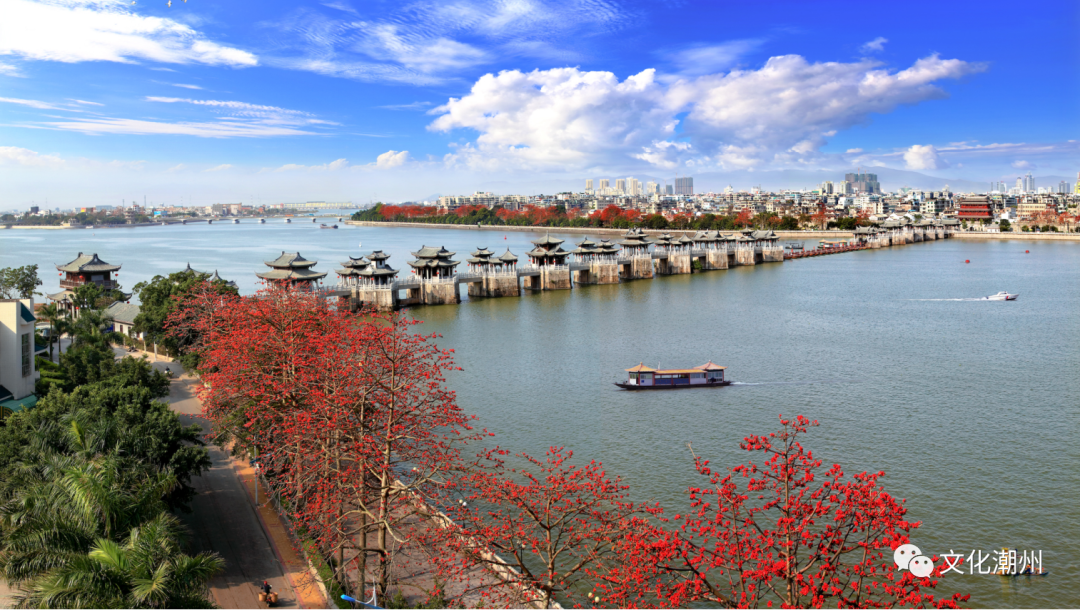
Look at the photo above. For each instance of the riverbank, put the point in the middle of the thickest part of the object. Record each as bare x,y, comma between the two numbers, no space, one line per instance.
574,230
1020,235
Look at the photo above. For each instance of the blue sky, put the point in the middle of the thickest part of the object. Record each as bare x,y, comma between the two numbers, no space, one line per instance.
205,101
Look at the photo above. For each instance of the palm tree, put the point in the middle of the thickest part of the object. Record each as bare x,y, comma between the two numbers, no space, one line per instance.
147,571
57,320
94,326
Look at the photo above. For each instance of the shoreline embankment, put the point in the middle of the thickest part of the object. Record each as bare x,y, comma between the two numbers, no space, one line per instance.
780,234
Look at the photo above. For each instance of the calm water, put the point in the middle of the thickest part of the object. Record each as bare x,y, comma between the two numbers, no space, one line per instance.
970,407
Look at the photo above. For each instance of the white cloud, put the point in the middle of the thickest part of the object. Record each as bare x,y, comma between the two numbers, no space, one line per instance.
31,103
709,59
9,70
221,129
13,155
268,114
875,46
218,168
425,43
186,86
409,106
331,166
105,30
923,157
1020,164
392,158
86,103
176,168
854,151
780,114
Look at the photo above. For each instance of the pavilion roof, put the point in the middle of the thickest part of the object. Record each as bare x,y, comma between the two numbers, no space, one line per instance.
508,257
87,263
426,252
683,239
377,255
433,263
663,240
290,260
641,368
218,278
374,271
586,243
710,366
763,235
706,236
540,253
483,252
292,274
355,263
547,240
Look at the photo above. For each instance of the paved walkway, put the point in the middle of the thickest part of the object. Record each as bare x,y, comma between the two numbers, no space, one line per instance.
224,519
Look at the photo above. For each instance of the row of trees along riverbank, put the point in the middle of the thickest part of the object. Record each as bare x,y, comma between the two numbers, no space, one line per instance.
362,443
610,217
90,480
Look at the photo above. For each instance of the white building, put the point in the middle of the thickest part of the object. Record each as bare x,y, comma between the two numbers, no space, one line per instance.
17,350
588,186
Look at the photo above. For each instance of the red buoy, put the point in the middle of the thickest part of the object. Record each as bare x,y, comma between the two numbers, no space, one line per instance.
1027,251
967,261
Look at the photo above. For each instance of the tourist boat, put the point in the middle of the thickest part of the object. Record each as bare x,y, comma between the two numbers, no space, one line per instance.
327,226
1001,296
642,377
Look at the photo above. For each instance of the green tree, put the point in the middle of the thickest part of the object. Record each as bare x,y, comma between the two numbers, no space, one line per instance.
92,296
58,324
19,282
1005,225
160,297
93,326
147,571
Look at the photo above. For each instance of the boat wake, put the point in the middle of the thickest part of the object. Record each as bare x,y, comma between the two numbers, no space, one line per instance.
970,299
814,381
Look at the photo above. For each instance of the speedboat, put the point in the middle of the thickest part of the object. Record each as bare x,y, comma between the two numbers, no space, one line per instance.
1002,296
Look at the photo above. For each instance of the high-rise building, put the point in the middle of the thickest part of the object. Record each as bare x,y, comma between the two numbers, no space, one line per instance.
826,188
1063,188
620,186
863,183
669,190
1076,187
1029,183
684,186
651,188
633,187
588,185
1020,184
605,184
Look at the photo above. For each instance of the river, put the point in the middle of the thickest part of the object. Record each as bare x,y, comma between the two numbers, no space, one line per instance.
970,407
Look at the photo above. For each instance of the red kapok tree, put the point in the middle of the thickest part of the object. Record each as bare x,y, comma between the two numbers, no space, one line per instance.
547,527
787,532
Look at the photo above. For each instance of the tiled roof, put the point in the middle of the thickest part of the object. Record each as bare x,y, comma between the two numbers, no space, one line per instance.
290,260
123,312
87,263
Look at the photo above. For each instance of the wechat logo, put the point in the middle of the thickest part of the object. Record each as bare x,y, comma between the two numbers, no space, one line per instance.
909,557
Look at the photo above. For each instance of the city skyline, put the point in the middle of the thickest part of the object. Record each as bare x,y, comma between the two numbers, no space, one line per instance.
201,102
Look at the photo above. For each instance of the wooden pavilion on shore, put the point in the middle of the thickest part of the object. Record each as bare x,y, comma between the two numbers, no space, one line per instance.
85,269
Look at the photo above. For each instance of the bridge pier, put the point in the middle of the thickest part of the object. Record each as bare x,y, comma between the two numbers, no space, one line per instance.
550,278
772,255
675,264
493,286
745,256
